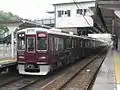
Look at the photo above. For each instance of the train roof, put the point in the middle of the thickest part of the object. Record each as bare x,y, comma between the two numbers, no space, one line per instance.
53,31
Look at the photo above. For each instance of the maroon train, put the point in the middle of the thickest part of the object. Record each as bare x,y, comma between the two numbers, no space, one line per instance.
41,50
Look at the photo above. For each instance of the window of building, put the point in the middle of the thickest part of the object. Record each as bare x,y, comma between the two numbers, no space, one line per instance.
79,11
59,13
62,12
84,11
65,12
68,12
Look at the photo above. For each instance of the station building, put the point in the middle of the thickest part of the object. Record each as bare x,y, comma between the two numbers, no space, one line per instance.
74,16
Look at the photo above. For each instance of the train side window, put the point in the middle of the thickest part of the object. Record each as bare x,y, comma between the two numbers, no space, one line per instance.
61,44
81,43
88,43
51,43
64,42
85,43
68,43
72,43
75,43
56,43
42,43
93,43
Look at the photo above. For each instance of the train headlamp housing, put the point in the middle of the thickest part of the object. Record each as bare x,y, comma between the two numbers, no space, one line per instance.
21,57
43,57
21,35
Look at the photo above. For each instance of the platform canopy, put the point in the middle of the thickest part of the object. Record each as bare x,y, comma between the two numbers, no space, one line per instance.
108,10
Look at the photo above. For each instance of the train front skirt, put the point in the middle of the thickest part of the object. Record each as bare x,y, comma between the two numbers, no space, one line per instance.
41,70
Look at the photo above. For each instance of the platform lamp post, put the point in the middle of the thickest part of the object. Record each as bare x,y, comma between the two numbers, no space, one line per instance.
113,24
12,44
12,41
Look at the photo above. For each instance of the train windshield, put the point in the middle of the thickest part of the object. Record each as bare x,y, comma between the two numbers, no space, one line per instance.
21,42
41,42
30,44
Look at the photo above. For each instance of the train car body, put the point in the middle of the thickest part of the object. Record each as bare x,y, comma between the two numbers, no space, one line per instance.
41,50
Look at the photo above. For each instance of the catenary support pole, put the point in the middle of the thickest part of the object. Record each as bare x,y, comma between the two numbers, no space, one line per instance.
12,44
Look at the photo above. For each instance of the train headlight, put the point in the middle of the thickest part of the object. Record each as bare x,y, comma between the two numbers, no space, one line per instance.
21,57
41,62
43,57
21,62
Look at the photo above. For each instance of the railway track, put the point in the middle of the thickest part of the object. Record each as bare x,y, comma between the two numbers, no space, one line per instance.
19,83
60,80
81,70
9,77
86,75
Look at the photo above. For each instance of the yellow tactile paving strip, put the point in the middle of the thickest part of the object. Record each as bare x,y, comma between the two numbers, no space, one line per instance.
8,61
117,66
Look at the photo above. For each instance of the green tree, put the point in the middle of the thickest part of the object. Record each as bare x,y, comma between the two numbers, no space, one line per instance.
4,16
3,29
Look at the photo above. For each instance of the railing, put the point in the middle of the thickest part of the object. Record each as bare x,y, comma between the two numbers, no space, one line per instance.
45,21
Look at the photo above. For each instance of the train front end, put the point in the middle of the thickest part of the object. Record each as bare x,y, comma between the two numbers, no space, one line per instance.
32,55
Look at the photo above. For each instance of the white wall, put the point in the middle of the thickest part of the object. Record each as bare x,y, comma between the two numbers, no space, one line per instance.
74,30
74,20
104,37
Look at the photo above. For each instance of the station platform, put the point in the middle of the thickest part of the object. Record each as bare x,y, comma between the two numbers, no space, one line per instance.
5,62
108,77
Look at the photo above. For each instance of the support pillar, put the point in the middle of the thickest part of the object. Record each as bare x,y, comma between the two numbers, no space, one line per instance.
113,25
12,44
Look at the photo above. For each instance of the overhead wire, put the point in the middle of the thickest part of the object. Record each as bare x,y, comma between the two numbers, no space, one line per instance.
82,15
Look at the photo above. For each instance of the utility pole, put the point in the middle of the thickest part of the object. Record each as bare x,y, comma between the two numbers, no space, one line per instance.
113,25
12,44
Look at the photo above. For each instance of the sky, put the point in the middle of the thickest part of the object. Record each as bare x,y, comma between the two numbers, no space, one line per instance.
30,9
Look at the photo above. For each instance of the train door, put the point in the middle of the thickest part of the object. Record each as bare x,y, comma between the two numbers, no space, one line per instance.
30,54
42,47
56,41
21,46
51,48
